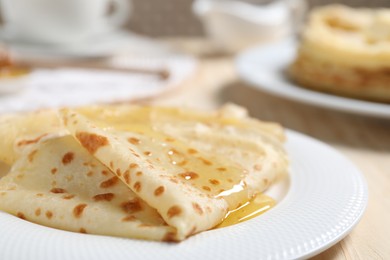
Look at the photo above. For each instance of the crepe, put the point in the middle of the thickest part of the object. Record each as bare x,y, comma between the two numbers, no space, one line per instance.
138,172
57,184
20,130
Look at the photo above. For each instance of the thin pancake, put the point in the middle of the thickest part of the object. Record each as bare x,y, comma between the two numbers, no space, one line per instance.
57,183
188,168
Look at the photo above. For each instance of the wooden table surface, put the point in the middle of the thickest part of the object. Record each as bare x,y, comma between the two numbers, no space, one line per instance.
364,140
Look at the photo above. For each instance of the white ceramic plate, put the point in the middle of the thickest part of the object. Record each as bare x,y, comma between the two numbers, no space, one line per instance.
49,88
264,68
101,45
324,199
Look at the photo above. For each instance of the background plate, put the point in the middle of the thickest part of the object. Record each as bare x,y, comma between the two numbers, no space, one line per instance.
325,198
263,67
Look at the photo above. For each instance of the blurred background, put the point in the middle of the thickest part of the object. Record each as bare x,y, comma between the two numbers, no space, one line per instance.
111,47
176,18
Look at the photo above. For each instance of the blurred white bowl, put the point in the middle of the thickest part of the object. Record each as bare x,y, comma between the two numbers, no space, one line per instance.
234,25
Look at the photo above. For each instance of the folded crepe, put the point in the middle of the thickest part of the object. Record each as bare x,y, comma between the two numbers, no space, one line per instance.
138,172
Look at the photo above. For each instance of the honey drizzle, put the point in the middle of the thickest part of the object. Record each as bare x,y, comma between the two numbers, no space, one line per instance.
233,191
173,155
253,208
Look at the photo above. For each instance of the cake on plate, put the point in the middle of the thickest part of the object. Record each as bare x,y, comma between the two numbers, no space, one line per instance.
345,51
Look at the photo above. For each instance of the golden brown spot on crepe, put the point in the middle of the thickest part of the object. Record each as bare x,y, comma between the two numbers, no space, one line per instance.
221,169
67,158
20,215
20,176
137,186
136,155
133,165
174,211
139,173
90,173
129,218
53,183
78,210
206,162
31,155
160,190
68,197
118,172
104,196
257,167
198,209
182,163
30,141
134,140
53,171
75,122
189,175
57,190
104,172
214,181
38,212
169,237
265,181
192,151
169,139
49,214
83,230
126,176
91,142
230,180
173,151
110,182
111,164
39,195
144,225
206,188
131,206
3,193
147,153
91,164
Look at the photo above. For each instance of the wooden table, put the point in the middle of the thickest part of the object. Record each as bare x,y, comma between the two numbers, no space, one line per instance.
364,140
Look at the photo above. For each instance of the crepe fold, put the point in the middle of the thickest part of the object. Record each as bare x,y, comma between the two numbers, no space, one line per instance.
139,172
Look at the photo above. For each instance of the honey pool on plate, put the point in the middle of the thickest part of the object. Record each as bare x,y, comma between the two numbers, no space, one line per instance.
253,208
